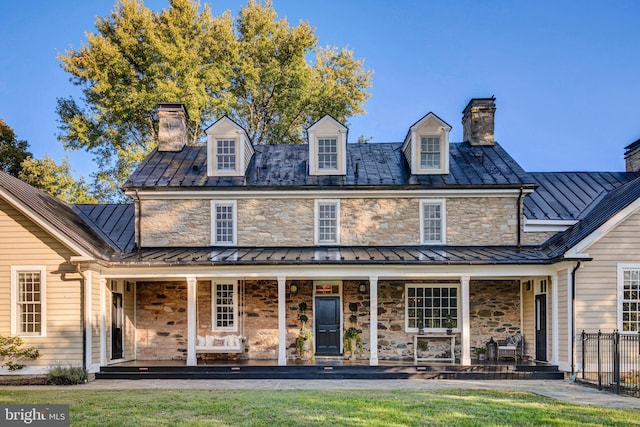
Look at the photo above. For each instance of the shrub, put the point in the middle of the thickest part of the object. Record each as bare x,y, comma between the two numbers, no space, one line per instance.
66,375
11,350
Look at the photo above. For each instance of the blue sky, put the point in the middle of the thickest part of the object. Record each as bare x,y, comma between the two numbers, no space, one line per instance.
565,74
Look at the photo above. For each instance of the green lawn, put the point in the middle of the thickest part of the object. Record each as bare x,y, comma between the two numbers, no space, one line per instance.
319,408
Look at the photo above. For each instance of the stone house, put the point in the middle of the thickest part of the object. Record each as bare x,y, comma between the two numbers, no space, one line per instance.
224,245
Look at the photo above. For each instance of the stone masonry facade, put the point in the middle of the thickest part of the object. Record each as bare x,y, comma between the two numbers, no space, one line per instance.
162,318
290,222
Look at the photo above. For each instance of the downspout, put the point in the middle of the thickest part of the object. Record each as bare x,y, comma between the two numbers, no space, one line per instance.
519,238
573,320
83,322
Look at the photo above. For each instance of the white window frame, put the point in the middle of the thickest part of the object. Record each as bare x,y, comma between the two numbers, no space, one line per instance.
214,306
218,155
15,313
443,221
420,152
622,268
458,316
336,153
324,202
214,205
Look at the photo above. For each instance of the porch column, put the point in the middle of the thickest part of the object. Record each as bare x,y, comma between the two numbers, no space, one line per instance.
103,321
554,319
88,320
282,321
191,320
373,320
466,329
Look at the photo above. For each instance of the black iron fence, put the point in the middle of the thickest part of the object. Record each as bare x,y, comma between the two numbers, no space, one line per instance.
611,361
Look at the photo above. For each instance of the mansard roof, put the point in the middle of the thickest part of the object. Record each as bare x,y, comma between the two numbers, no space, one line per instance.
368,166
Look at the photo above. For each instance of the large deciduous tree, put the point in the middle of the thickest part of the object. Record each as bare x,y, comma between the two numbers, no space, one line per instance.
271,78
12,151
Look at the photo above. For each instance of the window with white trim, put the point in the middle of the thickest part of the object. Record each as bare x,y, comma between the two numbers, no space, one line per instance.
224,296
432,221
28,298
327,153
223,222
430,152
327,215
630,301
226,155
433,307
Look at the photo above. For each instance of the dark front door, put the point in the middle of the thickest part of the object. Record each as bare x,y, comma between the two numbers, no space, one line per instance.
116,327
327,326
541,327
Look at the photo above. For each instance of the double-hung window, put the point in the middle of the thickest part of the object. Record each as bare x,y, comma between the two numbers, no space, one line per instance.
430,152
432,222
223,223
328,154
629,299
225,305
226,155
327,218
431,306
28,301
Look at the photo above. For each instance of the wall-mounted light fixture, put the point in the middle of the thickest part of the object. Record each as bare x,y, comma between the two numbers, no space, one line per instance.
362,288
293,288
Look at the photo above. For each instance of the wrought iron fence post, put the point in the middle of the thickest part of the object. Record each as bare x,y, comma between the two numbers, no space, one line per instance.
616,359
599,362
584,363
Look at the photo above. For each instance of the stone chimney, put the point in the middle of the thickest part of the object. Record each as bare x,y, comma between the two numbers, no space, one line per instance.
477,121
172,127
632,156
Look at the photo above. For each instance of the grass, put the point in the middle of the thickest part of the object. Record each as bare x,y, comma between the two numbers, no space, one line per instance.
319,408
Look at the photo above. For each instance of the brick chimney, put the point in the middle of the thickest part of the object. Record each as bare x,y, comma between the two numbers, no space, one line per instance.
478,120
172,127
632,156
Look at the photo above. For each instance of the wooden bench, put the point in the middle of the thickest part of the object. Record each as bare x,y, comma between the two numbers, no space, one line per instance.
220,344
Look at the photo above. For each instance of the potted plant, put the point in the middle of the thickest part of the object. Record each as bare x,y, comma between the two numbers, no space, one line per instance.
304,340
481,352
352,337
449,323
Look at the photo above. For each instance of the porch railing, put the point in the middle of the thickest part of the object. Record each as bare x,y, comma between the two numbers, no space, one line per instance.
611,361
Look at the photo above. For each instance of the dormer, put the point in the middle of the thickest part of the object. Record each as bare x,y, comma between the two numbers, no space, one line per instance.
229,149
327,147
426,146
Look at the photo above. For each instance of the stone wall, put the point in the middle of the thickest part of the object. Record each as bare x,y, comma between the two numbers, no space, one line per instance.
494,310
171,223
290,222
162,320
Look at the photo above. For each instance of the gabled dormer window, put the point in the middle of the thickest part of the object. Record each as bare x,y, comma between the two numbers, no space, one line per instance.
226,155
426,146
327,147
229,149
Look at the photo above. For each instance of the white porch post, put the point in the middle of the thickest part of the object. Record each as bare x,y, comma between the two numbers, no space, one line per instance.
88,321
103,321
554,319
466,329
282,321
191,320
373,320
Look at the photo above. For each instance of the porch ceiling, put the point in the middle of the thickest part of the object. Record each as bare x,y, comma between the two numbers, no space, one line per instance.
420,255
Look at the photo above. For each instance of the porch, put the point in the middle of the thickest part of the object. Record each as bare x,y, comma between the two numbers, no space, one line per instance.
323,368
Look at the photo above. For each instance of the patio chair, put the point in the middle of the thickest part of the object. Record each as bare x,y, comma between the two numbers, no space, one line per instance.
510,347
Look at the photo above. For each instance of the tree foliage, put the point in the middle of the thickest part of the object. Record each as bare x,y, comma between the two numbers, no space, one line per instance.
271,78
12,151
56,180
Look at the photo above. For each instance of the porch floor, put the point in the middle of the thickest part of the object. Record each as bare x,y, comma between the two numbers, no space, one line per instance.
327,368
